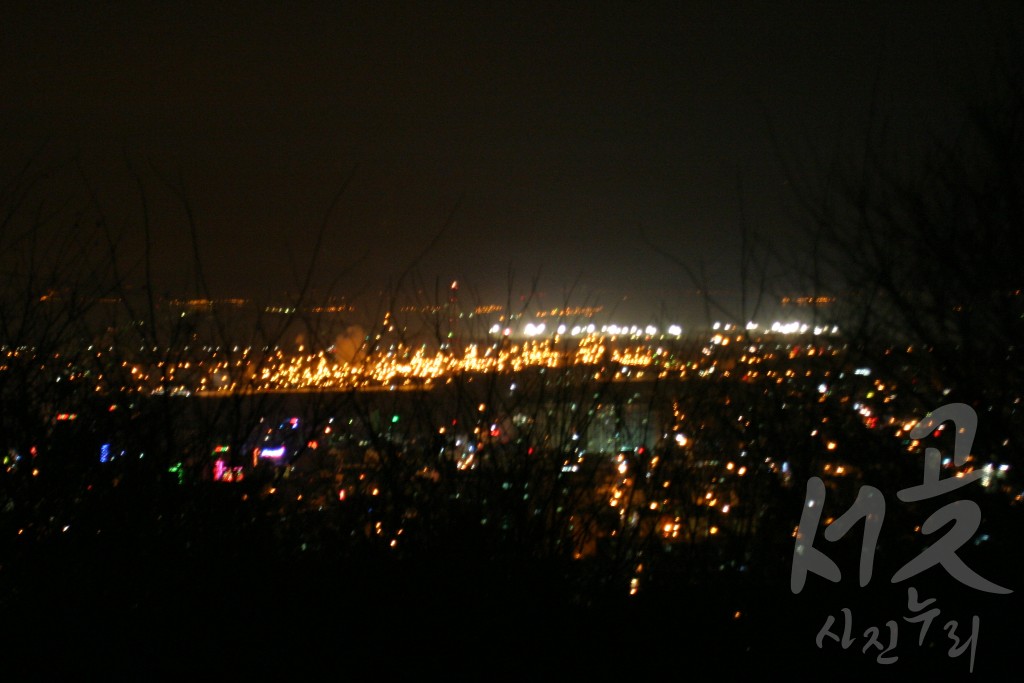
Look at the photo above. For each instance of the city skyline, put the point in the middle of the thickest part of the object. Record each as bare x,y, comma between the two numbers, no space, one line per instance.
474,336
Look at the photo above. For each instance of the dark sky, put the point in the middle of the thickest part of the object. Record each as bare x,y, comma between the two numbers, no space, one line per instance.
565,128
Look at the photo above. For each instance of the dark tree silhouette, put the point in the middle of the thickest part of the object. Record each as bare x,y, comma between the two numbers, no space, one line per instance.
919,242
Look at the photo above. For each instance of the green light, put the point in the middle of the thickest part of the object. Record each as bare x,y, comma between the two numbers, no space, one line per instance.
394,419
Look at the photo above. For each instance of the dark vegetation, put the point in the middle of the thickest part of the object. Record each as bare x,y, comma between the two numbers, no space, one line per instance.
146,563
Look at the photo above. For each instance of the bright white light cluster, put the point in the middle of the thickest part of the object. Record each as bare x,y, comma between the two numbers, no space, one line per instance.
796,327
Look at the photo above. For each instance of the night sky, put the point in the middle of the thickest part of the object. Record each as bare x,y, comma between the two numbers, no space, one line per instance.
553,135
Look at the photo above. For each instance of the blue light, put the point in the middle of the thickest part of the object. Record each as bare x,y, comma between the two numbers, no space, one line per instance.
105,453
